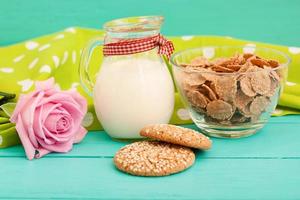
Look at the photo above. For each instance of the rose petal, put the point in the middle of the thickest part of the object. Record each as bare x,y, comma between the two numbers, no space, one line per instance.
71,106
51,122
28,147
58,147
63,124
48,139
37,123
23,100
52,138
45,85
47,109
76,115
54,123
42,132
60,110
80,134
51,92
55,109
79,99
41,152
28,113
49,119
61,97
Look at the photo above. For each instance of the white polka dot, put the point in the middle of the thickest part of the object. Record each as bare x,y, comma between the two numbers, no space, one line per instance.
30,45
74,56
6,70
249,48
26,84
19,58
56,61
277,112
45,69
187,37
74,85
46,46
59,36
208,52
71,30
290,83
57,86
88,119
66,54
294,50
33,63
183,114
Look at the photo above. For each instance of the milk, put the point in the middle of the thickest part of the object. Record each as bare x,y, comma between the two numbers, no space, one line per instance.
132,93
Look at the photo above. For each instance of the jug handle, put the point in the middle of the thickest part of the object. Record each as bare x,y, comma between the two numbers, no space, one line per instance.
83,69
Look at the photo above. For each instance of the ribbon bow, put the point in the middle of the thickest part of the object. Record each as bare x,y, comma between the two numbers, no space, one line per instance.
132,46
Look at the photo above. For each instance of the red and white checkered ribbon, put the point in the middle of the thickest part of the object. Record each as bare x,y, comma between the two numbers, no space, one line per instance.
132,46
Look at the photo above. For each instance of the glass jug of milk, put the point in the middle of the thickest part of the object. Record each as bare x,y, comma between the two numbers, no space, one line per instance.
131,90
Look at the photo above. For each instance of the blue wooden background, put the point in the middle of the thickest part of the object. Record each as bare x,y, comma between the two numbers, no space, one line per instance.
264,166
274,21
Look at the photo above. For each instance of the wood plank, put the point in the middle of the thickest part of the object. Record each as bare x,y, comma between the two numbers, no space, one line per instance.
279,138
289,119
53,15
97,178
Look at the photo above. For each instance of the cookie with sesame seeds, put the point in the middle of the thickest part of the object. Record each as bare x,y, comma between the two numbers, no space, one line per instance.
177,135
153,158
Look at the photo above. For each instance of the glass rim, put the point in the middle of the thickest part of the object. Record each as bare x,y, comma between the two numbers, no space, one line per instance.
115,25
281,65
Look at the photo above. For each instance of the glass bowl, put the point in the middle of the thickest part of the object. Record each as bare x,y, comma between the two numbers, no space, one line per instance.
229,104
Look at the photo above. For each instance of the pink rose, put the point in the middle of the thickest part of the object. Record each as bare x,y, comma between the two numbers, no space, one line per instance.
49,120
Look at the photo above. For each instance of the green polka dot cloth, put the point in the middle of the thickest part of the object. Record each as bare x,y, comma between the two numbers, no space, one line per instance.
57,55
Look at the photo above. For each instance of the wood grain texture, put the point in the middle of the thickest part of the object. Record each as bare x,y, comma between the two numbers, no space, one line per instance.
79,178
273,21
264,166
276,140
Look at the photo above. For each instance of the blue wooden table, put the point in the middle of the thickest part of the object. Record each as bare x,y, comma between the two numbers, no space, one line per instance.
264,166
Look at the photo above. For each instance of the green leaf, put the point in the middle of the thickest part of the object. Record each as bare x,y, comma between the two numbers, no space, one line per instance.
9,137
3,127
3,114
8,108
3,120
7,95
